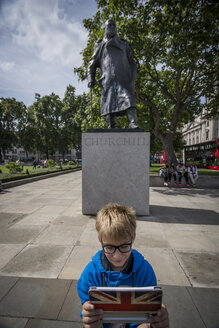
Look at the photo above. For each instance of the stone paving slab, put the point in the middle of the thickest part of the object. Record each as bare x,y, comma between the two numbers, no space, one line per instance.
73,220
183,312
191,240
201,268
20,207
8,252
80,256
89,235
50,209
38,261
59,235
36,219
52,324
35,298
166,266
6,283
19,235
6,322
207,302
72,306
8,219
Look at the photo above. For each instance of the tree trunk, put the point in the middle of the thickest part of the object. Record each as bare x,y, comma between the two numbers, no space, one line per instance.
170,155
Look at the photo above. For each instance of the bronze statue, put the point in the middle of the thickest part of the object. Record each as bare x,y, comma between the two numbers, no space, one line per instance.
114,57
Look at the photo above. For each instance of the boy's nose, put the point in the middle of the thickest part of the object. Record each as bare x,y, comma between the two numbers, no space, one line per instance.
117,253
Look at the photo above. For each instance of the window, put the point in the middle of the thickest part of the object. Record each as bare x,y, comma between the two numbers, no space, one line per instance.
207,135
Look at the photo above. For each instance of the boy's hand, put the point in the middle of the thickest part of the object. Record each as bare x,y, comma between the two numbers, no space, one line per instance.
91,317
161,320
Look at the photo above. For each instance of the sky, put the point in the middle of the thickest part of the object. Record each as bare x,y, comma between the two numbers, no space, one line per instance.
40,44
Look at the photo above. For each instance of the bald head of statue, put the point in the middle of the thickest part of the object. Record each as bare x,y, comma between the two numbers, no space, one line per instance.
110,28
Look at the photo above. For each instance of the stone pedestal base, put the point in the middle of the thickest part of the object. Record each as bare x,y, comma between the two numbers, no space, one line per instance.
115,169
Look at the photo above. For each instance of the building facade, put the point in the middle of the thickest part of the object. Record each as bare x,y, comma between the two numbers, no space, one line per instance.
201,130
202,138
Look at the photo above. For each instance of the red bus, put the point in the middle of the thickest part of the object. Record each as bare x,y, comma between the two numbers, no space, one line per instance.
159,157
205,155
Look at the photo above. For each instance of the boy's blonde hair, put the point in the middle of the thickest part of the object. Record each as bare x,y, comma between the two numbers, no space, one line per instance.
116,222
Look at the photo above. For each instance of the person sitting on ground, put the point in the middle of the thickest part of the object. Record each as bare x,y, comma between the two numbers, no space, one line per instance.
181,172
193,173
117,264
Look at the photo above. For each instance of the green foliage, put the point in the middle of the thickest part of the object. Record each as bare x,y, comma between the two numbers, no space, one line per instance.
71,163
12,118
44,122
50,163
48,125
13,167
72,115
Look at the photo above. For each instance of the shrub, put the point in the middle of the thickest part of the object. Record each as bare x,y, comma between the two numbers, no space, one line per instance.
13,167
71,163
51,163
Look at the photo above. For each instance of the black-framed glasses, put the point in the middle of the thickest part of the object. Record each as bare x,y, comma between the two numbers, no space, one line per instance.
110,249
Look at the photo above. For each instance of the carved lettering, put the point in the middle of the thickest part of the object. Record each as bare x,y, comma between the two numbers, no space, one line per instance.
120,141
88,141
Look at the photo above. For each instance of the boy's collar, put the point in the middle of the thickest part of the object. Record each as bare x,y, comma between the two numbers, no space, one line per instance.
107,266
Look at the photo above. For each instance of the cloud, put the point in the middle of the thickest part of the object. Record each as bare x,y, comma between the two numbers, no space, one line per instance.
6,66
41,41
42,27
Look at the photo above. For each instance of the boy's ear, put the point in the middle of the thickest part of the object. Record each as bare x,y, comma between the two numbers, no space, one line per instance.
99,238
133,239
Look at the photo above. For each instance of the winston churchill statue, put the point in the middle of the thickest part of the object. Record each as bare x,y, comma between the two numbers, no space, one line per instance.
114,57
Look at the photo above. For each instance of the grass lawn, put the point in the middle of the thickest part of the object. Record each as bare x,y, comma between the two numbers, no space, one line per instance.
29,171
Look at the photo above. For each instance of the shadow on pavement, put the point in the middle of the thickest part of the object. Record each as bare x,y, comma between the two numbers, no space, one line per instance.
165,214
187,192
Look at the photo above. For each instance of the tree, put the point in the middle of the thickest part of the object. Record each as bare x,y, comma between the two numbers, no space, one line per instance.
12,118
176,47
44,123
73,114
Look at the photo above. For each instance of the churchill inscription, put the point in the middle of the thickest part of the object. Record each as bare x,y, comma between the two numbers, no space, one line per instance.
119,141
115,168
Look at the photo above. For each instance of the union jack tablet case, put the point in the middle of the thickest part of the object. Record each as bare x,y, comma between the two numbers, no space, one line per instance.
126,304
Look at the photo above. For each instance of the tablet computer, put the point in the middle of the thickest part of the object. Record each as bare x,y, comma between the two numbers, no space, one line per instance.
126,304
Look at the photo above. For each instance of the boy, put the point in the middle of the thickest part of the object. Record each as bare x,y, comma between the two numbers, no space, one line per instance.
117,264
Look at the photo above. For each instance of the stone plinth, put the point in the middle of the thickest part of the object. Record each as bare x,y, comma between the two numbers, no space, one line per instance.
115,168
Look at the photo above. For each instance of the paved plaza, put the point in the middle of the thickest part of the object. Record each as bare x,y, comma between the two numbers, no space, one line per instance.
45,242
